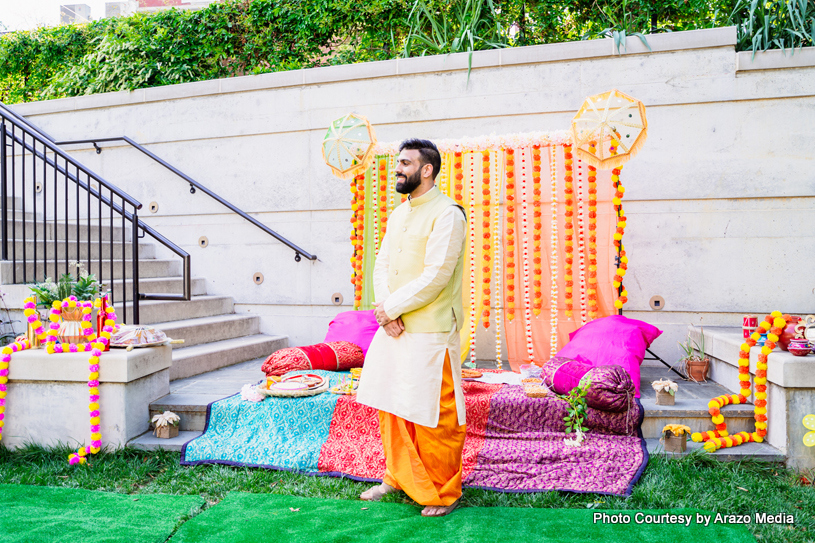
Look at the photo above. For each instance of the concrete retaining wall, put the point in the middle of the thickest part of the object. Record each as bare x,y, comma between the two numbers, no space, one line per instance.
720,200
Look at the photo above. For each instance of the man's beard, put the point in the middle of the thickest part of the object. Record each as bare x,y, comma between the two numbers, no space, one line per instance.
408,185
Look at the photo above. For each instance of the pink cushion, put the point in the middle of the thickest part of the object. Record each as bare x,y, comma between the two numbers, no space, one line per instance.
357,327
612,340
563,374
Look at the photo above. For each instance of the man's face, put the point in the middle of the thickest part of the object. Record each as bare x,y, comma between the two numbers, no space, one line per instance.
408,171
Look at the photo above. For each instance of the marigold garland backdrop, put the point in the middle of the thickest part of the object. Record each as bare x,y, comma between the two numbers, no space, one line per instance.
545,232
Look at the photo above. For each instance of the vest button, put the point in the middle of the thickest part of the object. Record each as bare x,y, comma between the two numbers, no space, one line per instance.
404,229
399,250
396,272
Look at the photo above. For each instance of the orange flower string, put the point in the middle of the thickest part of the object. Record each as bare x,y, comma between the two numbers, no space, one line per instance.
486,278
537,273
459,179
569,227
592,273
510,232
773,325
496,232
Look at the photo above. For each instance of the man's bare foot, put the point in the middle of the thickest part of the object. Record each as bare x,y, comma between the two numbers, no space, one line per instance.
438,510
375,494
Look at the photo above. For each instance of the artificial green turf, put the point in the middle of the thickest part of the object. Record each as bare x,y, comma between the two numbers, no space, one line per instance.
30,514
242,518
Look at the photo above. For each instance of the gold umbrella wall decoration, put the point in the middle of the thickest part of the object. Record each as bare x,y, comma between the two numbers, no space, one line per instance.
348,145
607,118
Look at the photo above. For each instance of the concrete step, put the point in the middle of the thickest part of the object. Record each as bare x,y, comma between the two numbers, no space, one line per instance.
190,397
78,250
151,312
207,357
761,452
158,285
51,231
147,268
148,442
210,329
690,406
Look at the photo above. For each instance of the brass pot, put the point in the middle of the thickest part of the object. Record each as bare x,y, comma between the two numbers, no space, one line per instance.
31,336
70,329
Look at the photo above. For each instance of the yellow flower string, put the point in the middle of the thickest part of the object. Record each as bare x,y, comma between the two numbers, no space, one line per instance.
458,176
391,182
553,270
568,191
497,259
523,181
486,277
444,174
617,201
16,347
773,325
510,232
358,207
592,282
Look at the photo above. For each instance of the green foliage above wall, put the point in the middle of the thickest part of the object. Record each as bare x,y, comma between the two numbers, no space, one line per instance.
239,37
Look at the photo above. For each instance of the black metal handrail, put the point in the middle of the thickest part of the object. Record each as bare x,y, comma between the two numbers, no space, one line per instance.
31,161
196,185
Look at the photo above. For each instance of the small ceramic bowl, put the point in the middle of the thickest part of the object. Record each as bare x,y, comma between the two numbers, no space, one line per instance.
799,347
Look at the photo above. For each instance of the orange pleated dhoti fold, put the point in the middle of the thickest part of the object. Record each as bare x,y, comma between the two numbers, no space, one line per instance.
426,462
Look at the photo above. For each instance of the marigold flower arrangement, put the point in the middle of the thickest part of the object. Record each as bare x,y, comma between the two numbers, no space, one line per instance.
357,235
568,192
486,277
773,325
510,233
591,291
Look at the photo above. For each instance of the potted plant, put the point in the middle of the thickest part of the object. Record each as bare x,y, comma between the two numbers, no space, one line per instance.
666,391
675,438
576,412
695,364
165,425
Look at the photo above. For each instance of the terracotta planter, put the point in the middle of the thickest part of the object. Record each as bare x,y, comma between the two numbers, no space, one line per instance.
698,369
665,398
675,444
70,330
166,432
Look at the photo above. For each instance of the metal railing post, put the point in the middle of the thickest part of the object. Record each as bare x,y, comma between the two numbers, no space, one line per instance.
3,179
134,243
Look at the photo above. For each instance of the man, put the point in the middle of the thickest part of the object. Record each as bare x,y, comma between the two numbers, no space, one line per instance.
412,372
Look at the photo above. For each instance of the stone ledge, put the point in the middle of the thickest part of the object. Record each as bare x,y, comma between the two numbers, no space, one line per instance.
775,59
557,52
115,366
784,369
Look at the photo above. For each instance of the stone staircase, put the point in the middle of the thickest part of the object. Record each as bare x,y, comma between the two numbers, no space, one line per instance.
190,397
214,335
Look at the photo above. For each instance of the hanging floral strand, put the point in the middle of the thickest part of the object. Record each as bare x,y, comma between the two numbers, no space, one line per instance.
459,179
383,199
525,258
16,347
358,208
444,175
569,227
553,308
497,254
486,278
471,223
581,245
391,182
617,201
510,232
537,277
592,290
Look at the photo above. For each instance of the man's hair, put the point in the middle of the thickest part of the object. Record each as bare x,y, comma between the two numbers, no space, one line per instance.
428,151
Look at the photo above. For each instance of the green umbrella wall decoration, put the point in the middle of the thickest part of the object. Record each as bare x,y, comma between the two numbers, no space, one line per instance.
348,145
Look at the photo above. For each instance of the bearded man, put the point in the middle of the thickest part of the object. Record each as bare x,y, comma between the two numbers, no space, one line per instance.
412,373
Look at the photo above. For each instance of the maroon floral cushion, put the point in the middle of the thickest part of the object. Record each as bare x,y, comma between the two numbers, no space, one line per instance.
611,389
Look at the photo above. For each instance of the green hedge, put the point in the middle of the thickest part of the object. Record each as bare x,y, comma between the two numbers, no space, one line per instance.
255,36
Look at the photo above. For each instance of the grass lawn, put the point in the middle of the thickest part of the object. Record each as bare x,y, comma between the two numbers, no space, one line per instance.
691,482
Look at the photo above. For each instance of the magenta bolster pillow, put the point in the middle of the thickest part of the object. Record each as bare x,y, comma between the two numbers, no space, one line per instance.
610,388
612,340
357,327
